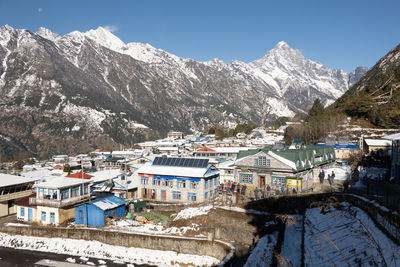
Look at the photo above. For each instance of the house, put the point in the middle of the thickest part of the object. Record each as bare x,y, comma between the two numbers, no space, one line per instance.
13,188
219,152
113,162
56,198
62,158
292,168
395,169
93,213
344,152
175,135
178,180
122,186
377,144
127,154
226,169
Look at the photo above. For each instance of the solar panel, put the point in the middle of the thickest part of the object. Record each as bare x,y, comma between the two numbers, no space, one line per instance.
181,162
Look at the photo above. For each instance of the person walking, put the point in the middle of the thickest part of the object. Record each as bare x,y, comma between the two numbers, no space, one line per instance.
329,179
333,177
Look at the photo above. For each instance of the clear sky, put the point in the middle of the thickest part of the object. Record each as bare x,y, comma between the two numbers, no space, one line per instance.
339,34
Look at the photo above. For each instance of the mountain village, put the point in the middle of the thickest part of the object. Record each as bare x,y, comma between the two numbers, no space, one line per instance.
123,154
133,189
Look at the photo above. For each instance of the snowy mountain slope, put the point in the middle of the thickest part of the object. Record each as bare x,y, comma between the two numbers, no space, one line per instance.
121,92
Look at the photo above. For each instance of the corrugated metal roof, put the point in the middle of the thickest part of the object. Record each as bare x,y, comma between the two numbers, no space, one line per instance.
108,203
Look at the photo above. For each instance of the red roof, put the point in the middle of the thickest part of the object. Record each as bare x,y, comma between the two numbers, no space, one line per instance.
58,167
205,149
79,175
24,202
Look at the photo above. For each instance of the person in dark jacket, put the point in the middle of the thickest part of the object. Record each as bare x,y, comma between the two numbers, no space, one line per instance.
333,177
321,176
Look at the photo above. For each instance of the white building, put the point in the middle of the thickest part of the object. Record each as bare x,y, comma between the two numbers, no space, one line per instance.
178,180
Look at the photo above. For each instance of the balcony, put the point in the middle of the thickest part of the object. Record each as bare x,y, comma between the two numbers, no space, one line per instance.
56,203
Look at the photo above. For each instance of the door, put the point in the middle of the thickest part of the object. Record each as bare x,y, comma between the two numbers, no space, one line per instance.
30,214
262,181
163,195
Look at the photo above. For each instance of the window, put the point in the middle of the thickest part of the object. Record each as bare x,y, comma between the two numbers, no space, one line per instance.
176,195
181,183
144,180
206,195
52,217
211,194
80,214
206,184
64,194
262,161
216,181
53,193
22,212
211,182
192,197
194,184
74,192
169,183
41,192
85,189
278,181
246,178
158,181
43,216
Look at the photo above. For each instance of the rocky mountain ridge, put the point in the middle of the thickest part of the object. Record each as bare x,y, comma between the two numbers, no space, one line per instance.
81,91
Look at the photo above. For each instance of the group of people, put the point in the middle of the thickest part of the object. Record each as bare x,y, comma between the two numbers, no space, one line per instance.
233,187
331,177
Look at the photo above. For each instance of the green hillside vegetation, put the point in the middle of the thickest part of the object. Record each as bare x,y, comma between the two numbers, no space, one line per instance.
376,97
318,124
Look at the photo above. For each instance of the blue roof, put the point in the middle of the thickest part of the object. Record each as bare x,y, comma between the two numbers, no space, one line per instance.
108,203
337,146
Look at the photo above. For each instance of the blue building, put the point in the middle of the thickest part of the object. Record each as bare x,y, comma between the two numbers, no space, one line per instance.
93,213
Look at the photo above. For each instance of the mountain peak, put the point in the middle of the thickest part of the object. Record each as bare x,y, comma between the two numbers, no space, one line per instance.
282,44
105,38
47,34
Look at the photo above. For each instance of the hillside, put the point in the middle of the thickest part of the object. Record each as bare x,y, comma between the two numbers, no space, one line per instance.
376,96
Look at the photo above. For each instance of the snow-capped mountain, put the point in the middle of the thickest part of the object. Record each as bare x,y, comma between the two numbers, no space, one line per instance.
84,87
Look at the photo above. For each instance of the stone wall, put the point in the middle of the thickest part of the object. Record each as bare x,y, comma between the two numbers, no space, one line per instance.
195,246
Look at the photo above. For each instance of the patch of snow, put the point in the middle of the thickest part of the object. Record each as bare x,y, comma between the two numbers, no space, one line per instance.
192,212
71,260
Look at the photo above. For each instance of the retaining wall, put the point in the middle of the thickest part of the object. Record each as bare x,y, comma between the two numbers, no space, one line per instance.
195,246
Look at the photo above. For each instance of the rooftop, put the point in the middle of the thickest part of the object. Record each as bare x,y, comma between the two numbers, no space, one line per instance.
9,180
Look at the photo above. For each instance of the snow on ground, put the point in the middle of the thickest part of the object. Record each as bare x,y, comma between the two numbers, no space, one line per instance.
192,212
262,254
104,251
132,226
374,173
291,246
346,237
249,211
341,173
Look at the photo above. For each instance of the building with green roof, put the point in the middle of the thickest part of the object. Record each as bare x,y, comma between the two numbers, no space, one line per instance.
292,168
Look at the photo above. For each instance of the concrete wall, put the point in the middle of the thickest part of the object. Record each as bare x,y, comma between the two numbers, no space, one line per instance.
4,209
66,214
194,246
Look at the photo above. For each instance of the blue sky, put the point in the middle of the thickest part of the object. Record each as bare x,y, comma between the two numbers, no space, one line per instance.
339,34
